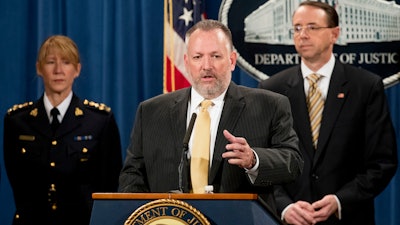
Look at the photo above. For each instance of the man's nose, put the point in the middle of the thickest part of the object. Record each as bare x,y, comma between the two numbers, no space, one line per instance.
207,62
303,32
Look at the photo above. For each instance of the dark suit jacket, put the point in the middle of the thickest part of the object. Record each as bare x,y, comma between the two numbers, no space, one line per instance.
262,117
53,177
356,155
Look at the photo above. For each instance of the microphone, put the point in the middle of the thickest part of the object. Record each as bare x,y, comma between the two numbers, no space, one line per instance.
189,132
185,149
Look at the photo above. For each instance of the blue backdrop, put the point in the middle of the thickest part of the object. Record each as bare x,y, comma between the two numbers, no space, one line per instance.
121,46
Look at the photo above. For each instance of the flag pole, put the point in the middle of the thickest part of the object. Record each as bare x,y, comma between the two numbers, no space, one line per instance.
169,67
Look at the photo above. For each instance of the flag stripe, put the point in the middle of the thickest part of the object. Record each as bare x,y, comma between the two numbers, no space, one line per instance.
179,16
179,82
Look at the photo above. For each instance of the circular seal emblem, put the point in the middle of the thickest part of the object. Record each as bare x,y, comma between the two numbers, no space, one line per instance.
166,212
261,33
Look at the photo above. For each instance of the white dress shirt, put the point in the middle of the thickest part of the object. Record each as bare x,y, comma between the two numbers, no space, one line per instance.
325,72
215,111
62,107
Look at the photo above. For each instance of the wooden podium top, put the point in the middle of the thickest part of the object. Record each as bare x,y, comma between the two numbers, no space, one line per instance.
228,196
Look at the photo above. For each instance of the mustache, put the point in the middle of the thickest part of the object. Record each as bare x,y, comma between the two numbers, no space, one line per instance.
208,74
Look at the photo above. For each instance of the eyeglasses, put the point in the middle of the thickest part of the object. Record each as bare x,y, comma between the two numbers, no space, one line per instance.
309,29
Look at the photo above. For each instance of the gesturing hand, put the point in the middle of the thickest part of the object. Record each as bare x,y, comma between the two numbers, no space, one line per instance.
238,151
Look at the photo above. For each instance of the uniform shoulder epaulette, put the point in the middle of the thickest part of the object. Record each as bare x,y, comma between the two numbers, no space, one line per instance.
18,107
95,105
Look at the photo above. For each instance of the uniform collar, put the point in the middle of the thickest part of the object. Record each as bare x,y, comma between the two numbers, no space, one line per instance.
62,107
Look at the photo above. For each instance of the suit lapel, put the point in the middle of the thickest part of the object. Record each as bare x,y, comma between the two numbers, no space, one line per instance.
337,94
38,119
233,107
179,110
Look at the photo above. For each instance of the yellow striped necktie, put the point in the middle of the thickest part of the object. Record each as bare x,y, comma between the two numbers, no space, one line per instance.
315,103
199,163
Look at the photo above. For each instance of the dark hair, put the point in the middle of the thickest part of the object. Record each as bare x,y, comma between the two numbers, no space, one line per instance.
207,25
331,14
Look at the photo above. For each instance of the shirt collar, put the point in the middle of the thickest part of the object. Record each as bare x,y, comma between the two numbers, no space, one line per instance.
325,71
196,99
62,107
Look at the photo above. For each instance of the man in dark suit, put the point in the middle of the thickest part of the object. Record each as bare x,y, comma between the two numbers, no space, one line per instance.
253,144
355,155
53,172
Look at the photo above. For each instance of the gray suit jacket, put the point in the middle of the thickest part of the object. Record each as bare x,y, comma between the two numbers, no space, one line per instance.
356,155
262,117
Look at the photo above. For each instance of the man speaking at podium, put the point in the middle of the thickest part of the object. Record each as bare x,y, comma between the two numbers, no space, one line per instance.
245,133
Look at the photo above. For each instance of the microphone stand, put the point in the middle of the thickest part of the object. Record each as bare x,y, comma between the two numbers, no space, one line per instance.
181,165
185,149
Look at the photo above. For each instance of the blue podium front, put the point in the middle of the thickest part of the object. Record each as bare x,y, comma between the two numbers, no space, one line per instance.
218,209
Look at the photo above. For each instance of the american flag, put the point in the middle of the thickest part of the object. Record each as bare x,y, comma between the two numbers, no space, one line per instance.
179,16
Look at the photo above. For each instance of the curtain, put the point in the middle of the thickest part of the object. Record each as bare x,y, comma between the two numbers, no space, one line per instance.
121,45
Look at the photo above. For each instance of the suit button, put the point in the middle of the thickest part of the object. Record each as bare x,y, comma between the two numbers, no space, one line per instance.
54,142
315,177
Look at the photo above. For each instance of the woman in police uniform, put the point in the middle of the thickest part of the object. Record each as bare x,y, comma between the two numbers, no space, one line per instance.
55,159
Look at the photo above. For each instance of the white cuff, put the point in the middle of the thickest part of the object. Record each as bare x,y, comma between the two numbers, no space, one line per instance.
284,211
253,172
339,210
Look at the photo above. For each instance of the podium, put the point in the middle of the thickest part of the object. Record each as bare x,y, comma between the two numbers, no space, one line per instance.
218,209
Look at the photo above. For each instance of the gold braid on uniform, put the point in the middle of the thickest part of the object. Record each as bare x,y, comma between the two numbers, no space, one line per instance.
17,107
99,106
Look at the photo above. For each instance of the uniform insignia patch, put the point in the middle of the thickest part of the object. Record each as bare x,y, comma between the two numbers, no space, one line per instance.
83,138
78,112
99,106
34,112
18,106
26,137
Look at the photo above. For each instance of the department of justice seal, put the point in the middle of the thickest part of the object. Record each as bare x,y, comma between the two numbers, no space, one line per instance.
261,33
167,212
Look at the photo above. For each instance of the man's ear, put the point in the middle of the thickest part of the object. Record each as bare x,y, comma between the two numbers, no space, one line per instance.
233,58
335,34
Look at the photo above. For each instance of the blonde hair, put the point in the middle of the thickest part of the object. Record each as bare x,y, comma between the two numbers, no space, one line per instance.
64,45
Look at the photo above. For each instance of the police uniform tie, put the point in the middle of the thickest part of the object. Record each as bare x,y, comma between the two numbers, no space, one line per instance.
54,123
315,104
199,163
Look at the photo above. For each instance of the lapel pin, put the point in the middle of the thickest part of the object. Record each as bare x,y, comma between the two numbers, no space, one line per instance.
340,95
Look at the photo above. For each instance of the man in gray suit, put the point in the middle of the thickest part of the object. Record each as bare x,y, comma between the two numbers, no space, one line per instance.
253,144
